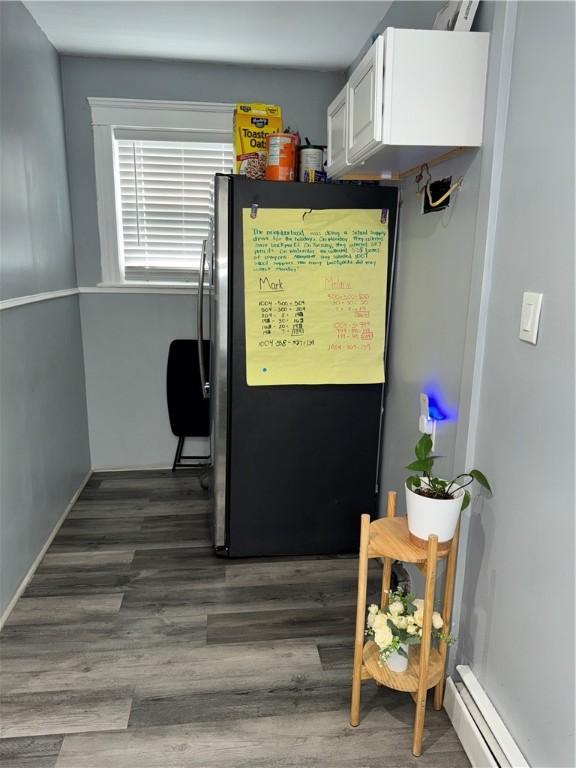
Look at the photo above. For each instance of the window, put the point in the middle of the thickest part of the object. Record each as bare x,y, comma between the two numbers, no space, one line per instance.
155,164
166,191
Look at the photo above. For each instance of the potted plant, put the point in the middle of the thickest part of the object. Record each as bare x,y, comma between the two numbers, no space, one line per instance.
399,626
433,504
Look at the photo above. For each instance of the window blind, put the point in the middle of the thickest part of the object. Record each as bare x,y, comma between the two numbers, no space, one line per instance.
166,205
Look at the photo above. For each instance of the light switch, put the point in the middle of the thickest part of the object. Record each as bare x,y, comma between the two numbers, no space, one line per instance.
530,316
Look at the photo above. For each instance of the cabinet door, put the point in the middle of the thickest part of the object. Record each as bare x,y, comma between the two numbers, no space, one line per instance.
337,134
365,88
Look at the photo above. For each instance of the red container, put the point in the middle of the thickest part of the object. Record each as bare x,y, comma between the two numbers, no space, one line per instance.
281,156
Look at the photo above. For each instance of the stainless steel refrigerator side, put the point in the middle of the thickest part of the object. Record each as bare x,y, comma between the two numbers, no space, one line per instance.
392,275
219,384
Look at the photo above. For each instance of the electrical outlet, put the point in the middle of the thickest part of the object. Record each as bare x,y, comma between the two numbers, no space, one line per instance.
436,189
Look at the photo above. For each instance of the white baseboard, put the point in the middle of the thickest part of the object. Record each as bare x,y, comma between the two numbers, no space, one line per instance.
482,732
492,719
133,468
145,467
26,580
482,725
466,729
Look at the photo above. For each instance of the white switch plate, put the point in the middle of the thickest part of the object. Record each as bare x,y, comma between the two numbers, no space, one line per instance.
530,316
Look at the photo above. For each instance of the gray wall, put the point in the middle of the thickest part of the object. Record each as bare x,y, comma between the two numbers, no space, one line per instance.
415,14
517,628
126,340
434,304
44,435
516,553
428,324
112,365
36,231
44,441
303,97
438,280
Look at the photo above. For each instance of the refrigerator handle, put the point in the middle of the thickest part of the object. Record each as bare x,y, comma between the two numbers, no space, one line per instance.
200,325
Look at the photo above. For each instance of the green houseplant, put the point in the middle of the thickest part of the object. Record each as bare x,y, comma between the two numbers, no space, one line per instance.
434,504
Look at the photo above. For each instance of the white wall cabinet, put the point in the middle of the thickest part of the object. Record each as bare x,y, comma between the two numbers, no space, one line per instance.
364,98
336,156
416,93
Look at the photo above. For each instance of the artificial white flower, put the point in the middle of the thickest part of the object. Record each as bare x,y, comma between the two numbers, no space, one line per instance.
418,602
401,622
383,636
373,608
380,620
437,620
411,629
371,617
419,617
396,608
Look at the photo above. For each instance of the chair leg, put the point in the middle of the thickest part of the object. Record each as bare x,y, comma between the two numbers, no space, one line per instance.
181,442
178,454
360,619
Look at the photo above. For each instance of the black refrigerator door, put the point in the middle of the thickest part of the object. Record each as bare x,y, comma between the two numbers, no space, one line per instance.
301,460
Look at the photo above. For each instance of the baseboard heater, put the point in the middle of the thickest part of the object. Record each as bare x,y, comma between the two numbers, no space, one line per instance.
484,736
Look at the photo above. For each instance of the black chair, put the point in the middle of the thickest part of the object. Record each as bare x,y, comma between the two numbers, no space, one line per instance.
188,410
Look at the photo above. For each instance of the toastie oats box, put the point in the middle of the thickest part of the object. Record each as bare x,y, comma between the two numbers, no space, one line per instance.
252,123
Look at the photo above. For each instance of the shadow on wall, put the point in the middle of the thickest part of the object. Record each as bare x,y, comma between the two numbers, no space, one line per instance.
480,521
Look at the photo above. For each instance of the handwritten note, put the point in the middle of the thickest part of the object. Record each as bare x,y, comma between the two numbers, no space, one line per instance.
315,296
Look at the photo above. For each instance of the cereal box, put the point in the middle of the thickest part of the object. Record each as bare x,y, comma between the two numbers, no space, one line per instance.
252,123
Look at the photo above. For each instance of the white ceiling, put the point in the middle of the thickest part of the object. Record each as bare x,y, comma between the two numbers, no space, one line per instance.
310,35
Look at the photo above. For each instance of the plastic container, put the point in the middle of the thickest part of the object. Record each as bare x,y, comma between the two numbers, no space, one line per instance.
311,159
427,516
281,156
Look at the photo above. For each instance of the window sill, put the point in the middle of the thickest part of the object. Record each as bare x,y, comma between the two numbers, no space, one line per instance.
166,288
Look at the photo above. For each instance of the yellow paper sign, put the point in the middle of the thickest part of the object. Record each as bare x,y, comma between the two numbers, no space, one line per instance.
315,295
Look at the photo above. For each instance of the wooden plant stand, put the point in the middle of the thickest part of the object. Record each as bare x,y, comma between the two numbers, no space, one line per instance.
388,538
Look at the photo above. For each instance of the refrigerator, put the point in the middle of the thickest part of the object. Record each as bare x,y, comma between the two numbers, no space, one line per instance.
293,467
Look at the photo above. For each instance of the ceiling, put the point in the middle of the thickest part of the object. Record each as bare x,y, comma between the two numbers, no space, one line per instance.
310,35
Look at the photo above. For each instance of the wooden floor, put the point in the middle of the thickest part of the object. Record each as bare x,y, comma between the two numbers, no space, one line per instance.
134,647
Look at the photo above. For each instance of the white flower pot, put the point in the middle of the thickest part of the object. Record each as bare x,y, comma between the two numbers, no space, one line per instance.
432,516
396,662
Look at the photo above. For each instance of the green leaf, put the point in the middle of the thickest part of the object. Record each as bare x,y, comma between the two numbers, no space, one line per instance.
413,640
423,447
480,478
413,482
402,652
420,465
466,501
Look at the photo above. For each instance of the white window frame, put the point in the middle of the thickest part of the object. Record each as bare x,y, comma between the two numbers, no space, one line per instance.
171,117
